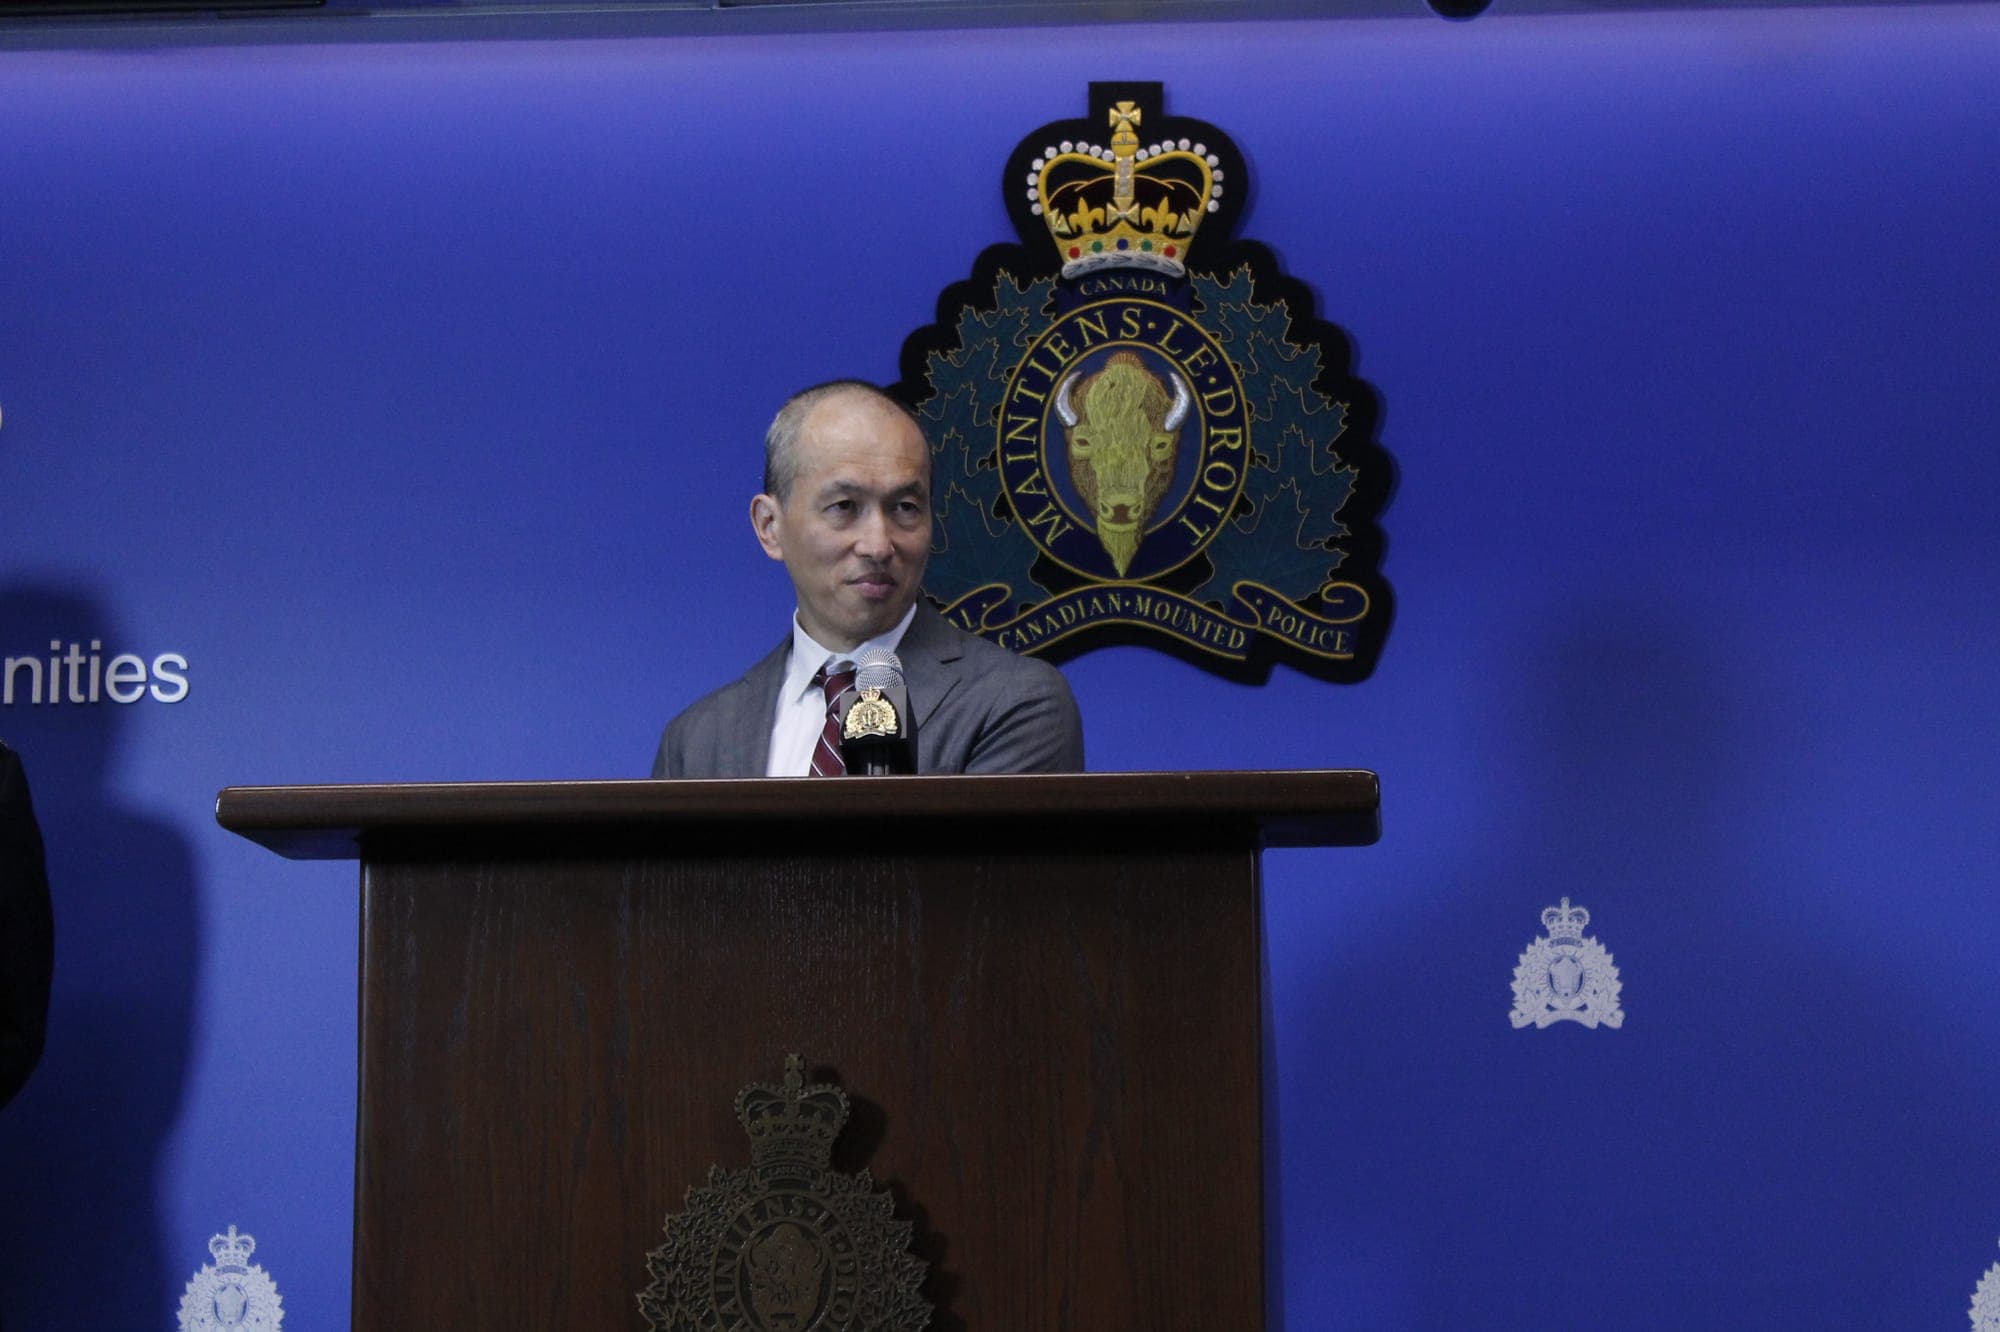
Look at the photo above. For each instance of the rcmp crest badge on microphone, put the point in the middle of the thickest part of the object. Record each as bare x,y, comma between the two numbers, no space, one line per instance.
877,735
1142,433
872,715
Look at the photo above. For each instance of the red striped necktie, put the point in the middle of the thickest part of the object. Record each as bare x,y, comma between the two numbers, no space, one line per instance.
826,754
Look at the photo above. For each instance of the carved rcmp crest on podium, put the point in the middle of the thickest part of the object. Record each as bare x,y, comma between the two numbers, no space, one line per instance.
1141,432
787,1245
1565,976
231,1294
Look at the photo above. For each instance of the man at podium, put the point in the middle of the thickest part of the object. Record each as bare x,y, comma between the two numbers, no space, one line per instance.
846,507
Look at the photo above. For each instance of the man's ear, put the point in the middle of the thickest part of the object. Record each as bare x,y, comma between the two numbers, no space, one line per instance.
767,521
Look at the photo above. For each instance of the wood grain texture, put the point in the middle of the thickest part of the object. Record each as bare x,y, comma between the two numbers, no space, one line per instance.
1054,1061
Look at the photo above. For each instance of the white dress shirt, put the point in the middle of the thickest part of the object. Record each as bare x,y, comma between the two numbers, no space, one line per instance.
801,710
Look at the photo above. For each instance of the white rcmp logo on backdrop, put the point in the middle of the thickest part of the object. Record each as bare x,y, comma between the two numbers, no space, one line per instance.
1986,1302
1565,976
230,1294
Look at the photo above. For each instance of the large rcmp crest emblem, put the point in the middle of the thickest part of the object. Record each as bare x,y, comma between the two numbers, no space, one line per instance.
231,1294
1141,432
787,1245
1565,976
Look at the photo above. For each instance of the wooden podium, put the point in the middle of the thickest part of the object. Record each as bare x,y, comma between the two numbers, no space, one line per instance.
1042,994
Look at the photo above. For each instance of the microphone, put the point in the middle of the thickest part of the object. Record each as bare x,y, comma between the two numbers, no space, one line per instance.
877,734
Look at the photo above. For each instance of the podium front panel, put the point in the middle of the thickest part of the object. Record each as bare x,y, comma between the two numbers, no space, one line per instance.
1053,1058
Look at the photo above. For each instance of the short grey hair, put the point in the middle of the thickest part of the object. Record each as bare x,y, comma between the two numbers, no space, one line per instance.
781,464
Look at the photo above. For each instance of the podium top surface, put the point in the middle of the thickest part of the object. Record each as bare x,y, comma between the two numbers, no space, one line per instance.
1294,808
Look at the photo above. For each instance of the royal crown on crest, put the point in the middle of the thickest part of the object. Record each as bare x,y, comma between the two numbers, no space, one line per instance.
1565,923
794,1124
1125,204
232,1251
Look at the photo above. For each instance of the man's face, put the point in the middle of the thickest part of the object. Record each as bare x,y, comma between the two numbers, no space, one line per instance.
854,529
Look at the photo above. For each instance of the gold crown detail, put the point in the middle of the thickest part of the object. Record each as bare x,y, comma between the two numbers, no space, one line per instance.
1125,204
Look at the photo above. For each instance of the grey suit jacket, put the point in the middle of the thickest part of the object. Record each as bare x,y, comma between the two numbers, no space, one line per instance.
978,708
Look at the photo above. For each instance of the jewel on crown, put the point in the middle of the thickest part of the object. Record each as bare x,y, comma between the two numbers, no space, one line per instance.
793,1124
1565,923
1126,204
232,1251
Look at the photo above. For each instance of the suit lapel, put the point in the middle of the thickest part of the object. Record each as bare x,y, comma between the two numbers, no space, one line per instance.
748,742
930,651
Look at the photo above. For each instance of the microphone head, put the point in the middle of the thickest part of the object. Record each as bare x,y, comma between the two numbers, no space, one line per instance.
878,668
876,732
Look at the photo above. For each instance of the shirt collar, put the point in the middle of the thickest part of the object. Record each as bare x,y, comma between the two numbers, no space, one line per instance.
808,655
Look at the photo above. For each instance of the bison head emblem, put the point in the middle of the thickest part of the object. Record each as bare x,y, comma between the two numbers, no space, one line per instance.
1124,432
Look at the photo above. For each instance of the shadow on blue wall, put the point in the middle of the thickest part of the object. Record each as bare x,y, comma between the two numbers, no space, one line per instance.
82,1237
1743,1150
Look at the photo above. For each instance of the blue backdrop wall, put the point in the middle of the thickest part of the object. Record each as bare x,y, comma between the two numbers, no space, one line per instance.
401,401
